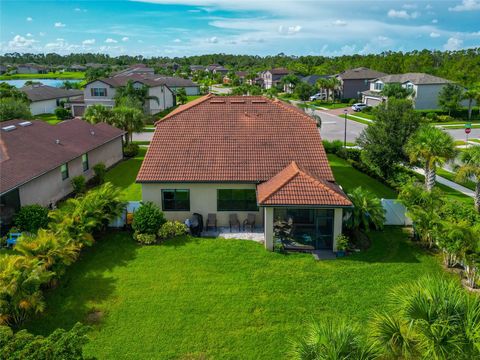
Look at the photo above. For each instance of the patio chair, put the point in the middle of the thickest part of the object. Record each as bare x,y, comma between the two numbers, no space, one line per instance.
211,221
233,220
249,221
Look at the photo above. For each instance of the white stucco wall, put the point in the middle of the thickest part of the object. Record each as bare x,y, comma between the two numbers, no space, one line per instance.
165,99
49,187
103,100
43,107
203,200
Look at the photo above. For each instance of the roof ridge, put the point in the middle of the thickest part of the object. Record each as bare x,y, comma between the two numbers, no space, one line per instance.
283,183
320,182
186,106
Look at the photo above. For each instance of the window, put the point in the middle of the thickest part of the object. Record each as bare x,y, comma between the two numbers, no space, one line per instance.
85,162
64,171
236,200
176,200
378,86
98,91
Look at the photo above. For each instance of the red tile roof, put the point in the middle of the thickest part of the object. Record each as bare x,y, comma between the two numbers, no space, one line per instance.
295,186
233,139
30,151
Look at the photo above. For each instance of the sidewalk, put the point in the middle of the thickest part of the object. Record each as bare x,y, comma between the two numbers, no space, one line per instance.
449,183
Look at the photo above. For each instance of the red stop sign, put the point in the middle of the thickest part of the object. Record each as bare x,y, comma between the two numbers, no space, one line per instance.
468,130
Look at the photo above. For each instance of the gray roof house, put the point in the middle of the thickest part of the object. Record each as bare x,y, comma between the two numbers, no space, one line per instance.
38,160
425,89
31,69
354,81
312,79
45,99
139,69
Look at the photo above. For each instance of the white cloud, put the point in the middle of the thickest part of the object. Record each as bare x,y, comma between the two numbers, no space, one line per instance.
289,30
177,41
434,34
125,39
29,19
88,42
29,35
212,40
434,21
20,42
409,6
466,5
111,41
402,14
59,25
339,23
453,43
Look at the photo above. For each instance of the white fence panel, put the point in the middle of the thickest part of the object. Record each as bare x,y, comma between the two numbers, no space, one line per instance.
395,213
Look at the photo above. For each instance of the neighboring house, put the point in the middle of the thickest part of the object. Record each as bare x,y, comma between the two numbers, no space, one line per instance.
244,155
175,83
271,78
31,69
312,79
77,67
3,69
241,75
102,91
45,99
139,69
425,89
38,160
197,68
170,66
354,81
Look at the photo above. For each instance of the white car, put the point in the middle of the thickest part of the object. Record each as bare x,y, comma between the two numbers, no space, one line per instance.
317,96
359,106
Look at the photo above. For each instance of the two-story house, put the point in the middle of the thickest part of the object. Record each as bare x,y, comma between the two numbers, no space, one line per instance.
425,89
102,91
271,78
354,81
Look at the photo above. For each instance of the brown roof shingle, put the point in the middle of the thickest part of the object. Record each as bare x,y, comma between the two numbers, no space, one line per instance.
233,139
295,186
30,151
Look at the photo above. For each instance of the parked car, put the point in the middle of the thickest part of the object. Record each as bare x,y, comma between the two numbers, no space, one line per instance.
359,106
317,96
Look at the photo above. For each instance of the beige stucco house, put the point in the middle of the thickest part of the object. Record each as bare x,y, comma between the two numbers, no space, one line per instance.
245,155
38,160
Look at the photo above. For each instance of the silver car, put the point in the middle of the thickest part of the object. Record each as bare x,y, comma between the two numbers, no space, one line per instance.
359,106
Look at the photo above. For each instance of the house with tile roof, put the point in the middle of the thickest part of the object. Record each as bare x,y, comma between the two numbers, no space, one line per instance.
38,160
245,155
425,89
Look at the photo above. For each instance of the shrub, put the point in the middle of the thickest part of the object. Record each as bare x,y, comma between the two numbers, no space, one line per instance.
342,242
62,113
352,101
100,171
431,116
11,108
445,118
332,147
78,184
172,229
367,109
30,218
145,239
148,219
130,150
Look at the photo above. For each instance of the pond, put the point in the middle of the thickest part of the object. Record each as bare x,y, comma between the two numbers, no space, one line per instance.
49,82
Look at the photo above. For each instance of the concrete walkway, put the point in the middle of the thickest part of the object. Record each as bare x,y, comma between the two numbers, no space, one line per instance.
450,184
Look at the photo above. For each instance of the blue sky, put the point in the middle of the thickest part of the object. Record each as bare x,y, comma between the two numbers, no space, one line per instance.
262,27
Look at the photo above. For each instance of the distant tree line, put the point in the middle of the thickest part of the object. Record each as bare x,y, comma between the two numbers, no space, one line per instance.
462,66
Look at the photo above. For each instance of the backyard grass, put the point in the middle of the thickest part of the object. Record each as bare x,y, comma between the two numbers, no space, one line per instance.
124,174
350,178
58,75
220,299
451,176
49,118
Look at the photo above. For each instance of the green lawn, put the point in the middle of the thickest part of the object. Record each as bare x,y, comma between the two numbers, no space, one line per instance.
350,178
475,140
58,75
451,176
220,299
124,174
49,118
349,117
329,105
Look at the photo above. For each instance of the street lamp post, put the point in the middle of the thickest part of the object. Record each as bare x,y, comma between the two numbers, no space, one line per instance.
345,134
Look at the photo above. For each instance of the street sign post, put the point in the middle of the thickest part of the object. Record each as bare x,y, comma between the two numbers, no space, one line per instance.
468,130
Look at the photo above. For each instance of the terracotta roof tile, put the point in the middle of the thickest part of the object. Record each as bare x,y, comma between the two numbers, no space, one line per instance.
233,139
295,186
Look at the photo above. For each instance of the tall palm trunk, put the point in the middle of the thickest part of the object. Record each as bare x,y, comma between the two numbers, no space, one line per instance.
430,176
477,196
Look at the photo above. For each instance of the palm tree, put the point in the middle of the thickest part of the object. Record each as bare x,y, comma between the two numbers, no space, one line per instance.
289,82
470,169
97,113
433,146
132,96
431,318
333,340
397,91
471,95
129,119
324,84
367,210
333,84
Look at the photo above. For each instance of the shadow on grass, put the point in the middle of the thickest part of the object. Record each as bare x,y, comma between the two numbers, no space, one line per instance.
391,245
86,284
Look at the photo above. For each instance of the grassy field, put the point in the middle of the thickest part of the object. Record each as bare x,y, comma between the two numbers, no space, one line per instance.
124,174
220,299
350,178
49,118
58,75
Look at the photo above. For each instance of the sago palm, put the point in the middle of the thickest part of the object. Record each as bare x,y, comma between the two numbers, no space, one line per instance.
433,147
470,169
367,210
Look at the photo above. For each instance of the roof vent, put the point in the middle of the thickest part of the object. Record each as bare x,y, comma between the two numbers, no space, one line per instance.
217,101
57,141
92,132
25,123
9,128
